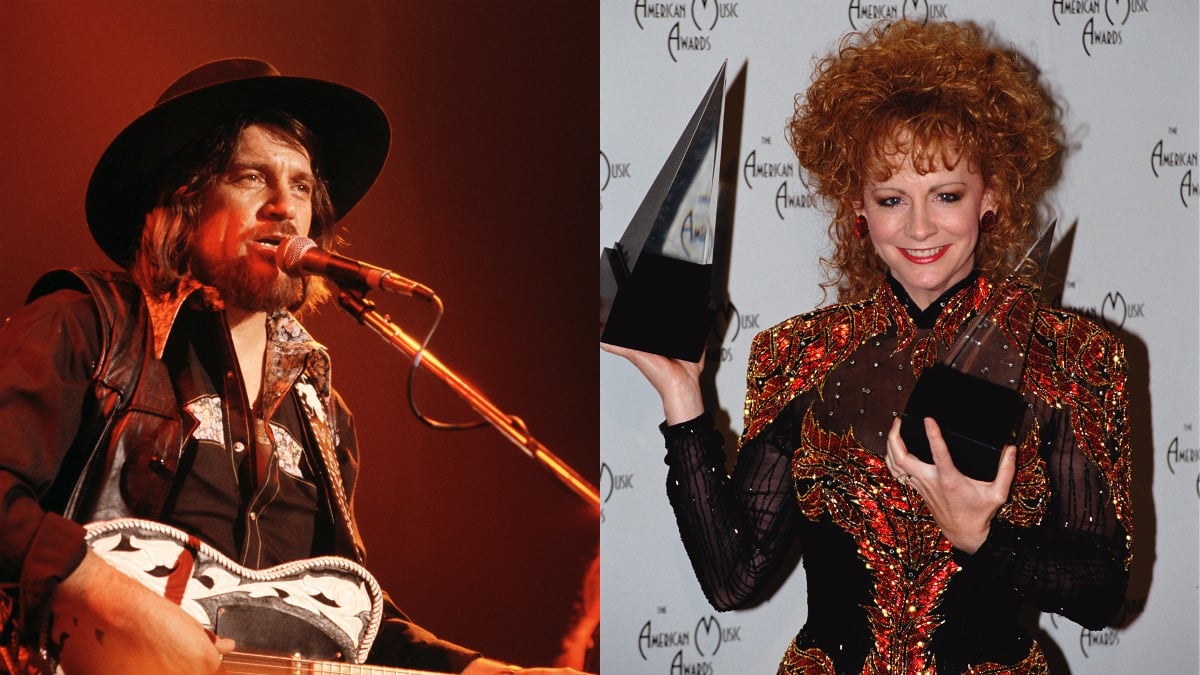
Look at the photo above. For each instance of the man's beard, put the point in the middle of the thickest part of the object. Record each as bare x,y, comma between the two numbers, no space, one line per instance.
240,288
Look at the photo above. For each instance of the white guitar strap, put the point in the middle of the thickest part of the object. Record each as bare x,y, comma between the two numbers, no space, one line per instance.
292,350
316,410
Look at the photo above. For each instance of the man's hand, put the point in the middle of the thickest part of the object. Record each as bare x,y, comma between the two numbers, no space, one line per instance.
109,623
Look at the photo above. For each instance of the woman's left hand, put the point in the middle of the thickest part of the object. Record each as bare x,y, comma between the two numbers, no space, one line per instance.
961,506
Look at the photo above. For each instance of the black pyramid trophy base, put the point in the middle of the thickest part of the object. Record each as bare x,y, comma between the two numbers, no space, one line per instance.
976,418
663,307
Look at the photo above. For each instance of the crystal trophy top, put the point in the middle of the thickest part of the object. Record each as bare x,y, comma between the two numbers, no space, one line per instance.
656,283
972,393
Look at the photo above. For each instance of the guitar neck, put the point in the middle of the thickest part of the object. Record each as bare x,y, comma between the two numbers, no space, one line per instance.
238,663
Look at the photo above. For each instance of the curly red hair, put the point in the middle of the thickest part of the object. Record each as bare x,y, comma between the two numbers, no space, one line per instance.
940,93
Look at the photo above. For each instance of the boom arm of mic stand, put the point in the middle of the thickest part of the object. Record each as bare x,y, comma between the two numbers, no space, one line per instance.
512,428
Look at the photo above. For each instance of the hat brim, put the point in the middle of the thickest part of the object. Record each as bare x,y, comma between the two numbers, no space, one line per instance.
351,128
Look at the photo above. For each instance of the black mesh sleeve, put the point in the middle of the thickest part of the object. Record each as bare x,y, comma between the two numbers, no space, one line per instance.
1073,564
736,527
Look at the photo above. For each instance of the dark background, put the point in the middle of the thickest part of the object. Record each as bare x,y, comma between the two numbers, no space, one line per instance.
488,196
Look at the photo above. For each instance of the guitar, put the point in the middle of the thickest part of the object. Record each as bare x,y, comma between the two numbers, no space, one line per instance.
318,616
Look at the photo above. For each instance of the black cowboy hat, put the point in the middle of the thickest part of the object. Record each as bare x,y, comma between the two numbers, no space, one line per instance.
352,130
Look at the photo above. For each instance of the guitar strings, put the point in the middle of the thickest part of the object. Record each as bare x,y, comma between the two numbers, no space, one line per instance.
263,664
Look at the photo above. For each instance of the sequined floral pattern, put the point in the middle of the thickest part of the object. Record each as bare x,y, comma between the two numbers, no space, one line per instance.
822,390
1076,366
805,662
897,540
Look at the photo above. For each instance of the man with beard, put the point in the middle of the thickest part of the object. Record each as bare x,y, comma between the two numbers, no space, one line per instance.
185,392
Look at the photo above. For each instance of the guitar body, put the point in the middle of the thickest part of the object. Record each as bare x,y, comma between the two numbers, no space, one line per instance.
320,609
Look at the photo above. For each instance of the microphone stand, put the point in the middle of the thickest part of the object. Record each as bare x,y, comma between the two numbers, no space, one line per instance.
512,428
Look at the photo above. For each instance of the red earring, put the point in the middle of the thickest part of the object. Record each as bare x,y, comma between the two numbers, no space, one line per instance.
987,223
860,226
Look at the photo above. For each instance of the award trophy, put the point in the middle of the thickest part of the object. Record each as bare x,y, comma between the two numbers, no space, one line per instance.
656,283
972,393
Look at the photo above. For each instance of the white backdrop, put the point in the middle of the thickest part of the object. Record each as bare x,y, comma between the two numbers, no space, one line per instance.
1126,71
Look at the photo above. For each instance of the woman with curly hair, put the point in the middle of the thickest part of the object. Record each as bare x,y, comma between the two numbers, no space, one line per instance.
932,148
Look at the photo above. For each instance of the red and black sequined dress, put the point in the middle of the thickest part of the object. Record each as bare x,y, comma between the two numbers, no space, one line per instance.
887,593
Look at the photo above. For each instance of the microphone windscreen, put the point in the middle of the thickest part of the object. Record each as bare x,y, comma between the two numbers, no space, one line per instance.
289,252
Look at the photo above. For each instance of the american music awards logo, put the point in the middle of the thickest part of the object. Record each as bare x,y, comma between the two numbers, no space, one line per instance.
611,171
1180,457
739,322
863,14
1168,159
1102,23
612,482
1177,454
686,648
1093,642
686,27
735,324
778,179
1113,310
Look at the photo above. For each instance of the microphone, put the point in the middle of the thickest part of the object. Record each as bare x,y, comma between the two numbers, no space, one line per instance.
298,256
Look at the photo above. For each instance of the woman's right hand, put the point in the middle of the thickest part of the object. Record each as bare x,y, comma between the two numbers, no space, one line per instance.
677,382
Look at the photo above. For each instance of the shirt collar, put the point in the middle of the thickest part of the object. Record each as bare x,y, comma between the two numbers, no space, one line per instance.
164,308
926,318
291,350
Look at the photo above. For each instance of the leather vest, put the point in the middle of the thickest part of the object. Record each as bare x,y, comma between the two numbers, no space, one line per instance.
124,459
